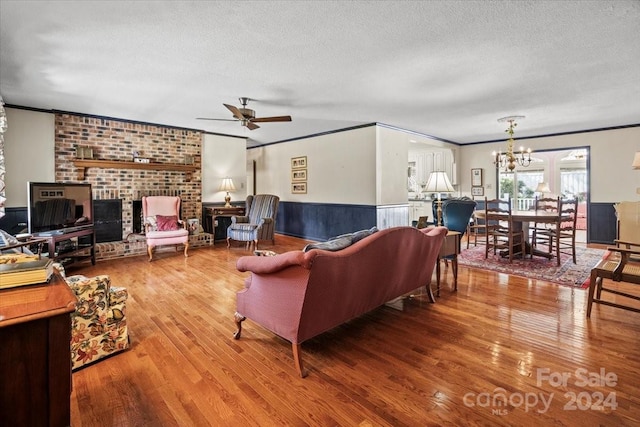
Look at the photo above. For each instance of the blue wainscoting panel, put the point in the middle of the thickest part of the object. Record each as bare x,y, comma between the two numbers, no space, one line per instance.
602,223
321,221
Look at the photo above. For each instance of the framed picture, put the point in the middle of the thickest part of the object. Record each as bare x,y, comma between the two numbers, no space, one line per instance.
298,175
193,225
476,177
299,188
477,191
299,162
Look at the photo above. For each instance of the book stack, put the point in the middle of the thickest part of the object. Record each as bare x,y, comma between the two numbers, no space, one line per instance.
21,269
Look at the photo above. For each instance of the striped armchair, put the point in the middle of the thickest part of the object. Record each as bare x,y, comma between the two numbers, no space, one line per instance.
258,223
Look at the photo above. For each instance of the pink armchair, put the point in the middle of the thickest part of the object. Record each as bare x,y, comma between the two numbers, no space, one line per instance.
162,222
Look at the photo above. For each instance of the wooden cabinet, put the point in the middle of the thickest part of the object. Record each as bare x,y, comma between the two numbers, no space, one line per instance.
426,161
35,361
418,209
219,218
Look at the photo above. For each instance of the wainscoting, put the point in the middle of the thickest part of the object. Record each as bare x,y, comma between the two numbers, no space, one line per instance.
321,221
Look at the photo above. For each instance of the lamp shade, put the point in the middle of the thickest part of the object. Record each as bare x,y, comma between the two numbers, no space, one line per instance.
227,185
439,183
543,187
636,161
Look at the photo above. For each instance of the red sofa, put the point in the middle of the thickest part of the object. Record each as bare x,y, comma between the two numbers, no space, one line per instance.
298,295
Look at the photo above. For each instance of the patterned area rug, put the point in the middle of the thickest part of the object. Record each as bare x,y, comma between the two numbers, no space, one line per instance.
568,273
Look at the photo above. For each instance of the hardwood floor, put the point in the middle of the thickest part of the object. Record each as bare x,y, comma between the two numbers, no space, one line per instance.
449,363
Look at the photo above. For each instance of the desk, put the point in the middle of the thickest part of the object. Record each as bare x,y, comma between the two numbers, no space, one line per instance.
521,220
215,222
35,361
450,248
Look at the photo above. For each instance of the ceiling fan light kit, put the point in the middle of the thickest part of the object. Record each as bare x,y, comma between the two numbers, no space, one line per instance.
247,116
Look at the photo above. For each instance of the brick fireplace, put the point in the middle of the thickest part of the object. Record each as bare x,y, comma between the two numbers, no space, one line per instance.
118,141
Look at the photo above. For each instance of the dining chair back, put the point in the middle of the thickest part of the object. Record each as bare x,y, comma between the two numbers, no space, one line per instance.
477,225
542,232
500,232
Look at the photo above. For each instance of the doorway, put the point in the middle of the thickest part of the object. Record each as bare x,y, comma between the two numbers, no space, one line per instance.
566,173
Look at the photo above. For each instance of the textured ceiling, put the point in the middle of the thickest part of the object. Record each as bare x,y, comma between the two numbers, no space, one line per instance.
444,68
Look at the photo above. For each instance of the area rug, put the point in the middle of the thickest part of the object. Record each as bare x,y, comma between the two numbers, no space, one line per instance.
567,273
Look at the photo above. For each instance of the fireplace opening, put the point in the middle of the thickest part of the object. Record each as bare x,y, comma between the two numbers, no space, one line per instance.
108,220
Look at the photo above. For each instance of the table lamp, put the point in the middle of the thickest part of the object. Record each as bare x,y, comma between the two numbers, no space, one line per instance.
542,188
439,183
227,185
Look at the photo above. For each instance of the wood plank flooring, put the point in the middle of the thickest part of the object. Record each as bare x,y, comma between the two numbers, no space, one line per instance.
486,355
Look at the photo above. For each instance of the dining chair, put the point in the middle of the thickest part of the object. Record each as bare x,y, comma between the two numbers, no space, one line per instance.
541,232
565,232
500,233
477,225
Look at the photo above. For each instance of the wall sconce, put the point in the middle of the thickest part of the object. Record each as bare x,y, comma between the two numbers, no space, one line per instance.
636,161
227,185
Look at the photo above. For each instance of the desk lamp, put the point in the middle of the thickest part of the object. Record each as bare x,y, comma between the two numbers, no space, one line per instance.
439,183
227,185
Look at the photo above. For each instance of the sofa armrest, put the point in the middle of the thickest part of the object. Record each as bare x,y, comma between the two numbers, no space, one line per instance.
266,265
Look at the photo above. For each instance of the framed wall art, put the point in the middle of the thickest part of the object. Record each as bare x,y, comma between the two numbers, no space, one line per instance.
299,188
298,175
476,177
477,191
299,162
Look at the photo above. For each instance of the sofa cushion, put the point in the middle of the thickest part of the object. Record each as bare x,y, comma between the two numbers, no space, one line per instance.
342,241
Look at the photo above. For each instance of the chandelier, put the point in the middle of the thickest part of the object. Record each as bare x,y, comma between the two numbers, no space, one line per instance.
509,160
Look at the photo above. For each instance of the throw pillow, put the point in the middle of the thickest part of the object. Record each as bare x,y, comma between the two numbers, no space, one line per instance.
167,223
151,220
330,245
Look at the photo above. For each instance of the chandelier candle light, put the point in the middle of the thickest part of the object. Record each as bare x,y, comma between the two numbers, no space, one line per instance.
227,185
509,160
439,183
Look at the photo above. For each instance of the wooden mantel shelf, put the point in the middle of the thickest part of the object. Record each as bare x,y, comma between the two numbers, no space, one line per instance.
82,165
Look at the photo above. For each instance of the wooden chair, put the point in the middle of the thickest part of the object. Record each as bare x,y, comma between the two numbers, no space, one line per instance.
477,225
541,233
563,233
500,232
624,266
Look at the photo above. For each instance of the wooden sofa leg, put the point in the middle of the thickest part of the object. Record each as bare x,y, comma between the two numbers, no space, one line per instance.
150,252
186,246
297,360
239,318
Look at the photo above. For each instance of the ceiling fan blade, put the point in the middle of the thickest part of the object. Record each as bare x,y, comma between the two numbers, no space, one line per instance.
220,120
236,112
251,126
272,119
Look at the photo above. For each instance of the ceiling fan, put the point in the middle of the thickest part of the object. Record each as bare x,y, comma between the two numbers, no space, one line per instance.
247,116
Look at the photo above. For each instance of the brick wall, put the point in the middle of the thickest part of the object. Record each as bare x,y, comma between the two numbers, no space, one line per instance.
117,140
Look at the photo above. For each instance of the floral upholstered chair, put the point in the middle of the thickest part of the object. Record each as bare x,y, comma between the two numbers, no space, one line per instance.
162,222
259,222
99,324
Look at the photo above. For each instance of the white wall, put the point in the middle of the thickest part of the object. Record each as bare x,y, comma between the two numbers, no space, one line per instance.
341,168
612,179
28,151
223,156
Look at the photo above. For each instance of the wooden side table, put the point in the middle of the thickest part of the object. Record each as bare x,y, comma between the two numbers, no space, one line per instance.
450,248
219,218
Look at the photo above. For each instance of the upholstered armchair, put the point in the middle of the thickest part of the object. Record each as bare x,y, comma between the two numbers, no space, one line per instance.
162,223
99,324
258,223
456,214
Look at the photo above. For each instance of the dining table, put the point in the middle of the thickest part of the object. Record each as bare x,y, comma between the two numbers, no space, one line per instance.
521,220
